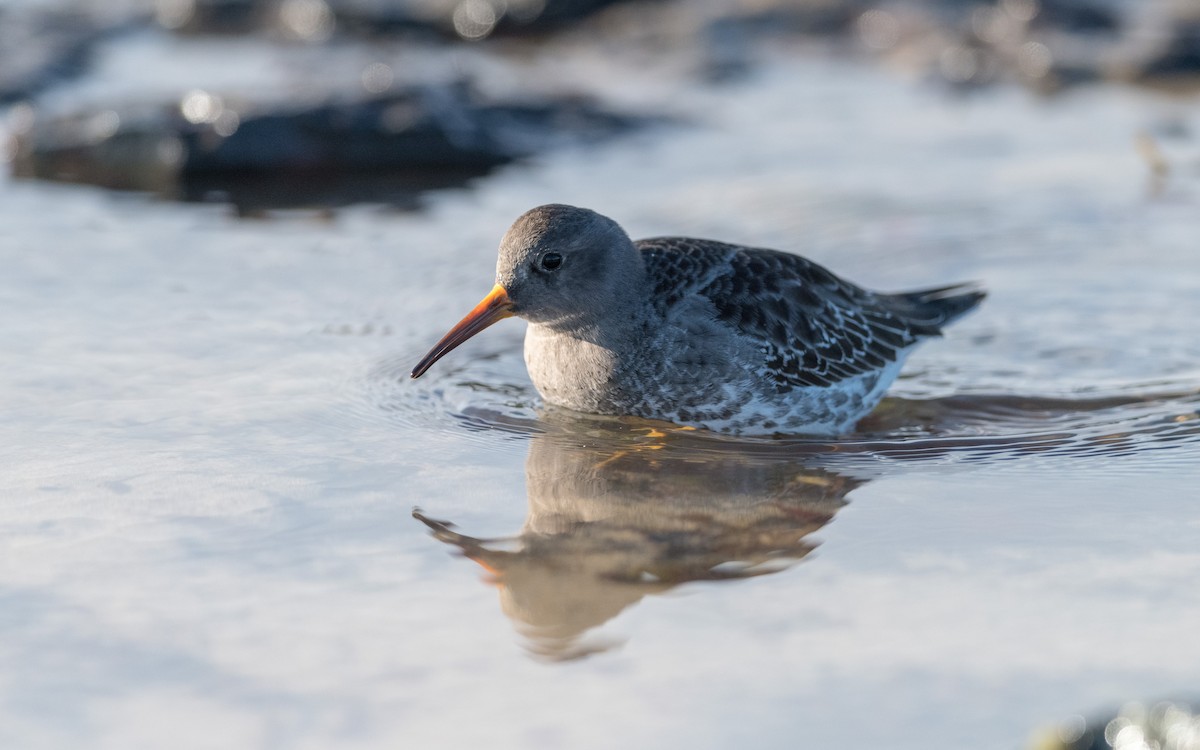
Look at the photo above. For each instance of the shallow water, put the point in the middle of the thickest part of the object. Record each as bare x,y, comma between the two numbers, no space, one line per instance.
213,454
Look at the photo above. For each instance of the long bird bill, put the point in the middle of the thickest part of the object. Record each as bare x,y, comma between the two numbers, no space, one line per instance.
493,308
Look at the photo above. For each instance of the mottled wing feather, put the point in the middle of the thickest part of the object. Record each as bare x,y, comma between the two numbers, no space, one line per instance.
813,328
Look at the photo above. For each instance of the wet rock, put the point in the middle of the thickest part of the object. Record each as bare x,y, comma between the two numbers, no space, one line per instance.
214,16
1047,45
1178,60
476,19
1165,724
383,149
317,20
1075,16
963,43
1161,47
804,18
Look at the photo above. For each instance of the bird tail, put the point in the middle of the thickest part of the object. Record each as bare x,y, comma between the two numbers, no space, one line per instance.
930,310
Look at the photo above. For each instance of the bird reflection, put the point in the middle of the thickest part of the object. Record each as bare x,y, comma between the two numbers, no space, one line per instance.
617,513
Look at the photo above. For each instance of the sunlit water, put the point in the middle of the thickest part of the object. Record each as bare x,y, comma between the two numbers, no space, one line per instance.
213,455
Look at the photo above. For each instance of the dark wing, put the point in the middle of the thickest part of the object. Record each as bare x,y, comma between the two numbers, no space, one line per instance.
814,329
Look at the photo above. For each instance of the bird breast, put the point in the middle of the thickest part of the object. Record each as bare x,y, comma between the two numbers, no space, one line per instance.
568,370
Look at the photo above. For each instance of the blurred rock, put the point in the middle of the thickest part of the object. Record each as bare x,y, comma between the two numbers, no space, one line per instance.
1178,59
214,16
391,147
1075,16
338,152
832,18
317,20
1166,725
965,44
1044,44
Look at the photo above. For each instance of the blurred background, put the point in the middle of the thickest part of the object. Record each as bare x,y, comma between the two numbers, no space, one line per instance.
320,103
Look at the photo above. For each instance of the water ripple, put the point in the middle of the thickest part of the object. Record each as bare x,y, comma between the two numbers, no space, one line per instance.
489,394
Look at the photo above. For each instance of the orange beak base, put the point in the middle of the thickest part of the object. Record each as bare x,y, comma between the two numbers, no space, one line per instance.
494,308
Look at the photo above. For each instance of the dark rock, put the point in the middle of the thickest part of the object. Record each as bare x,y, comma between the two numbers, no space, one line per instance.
1047,45
316,20
1078,16
474,19
383,149
1065,76
1177,60
1158,724
806,19
215,16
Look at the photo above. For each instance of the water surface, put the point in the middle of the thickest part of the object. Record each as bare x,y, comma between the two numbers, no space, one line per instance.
213,454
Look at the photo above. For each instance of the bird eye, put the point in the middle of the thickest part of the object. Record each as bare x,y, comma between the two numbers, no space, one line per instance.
551,261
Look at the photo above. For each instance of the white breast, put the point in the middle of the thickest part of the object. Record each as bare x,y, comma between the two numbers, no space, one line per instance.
568,371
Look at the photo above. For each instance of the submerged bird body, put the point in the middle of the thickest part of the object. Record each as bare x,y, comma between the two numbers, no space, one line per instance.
696,332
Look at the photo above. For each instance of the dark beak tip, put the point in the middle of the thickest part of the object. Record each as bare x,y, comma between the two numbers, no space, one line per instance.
494,307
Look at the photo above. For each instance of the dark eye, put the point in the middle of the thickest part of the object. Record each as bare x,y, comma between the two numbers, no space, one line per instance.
551,261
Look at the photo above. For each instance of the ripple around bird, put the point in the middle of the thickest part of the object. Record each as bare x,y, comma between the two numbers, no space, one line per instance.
485,395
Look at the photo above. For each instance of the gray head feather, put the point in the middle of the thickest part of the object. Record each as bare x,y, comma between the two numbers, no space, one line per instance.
568,267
